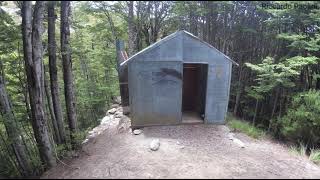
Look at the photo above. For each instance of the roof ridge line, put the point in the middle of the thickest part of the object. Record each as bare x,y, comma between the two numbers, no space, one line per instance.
176,33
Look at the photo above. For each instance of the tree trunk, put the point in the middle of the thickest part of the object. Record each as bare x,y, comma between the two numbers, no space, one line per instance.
131,33
255,113
34,68
239,92
53,73
14,132
110,21
52,115
67,70
309,77
274,108
193,18
280,104
318,79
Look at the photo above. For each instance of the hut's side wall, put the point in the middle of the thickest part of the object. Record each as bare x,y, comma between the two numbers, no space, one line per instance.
155,92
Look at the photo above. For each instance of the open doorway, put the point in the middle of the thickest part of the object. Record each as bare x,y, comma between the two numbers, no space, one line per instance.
194,92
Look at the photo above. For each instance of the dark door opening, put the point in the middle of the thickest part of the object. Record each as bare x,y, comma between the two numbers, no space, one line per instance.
194,92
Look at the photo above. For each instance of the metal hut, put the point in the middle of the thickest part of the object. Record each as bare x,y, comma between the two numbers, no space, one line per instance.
179,79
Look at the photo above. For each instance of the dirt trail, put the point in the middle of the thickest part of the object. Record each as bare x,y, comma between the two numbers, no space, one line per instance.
186,151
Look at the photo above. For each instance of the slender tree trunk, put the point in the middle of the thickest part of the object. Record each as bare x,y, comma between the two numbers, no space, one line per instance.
193,18
239,92
27,44
67,70
131,33
32,37
52,115
274,108
53,73
22,80
281,104
309,77
255,113
318,79
275,103
14,132
110,21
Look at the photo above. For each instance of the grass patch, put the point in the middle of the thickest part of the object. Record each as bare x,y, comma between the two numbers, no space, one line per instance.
300,150
315,156
244,127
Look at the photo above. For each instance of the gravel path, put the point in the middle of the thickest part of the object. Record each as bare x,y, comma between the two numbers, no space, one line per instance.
186,151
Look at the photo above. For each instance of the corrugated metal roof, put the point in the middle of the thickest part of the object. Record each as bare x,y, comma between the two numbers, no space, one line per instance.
177,33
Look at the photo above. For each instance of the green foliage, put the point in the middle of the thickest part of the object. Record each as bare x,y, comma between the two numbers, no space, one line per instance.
301,122
79,136
270,74
244,127
62,150
94,58
95,77
301,42
297,62
315,156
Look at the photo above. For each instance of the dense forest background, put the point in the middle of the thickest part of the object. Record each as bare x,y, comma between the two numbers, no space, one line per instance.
58,70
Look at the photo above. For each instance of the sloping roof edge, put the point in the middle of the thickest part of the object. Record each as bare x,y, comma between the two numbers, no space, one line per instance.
170,37
209,45
156,44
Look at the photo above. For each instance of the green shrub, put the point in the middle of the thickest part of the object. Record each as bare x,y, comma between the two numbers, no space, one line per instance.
62,150
302,120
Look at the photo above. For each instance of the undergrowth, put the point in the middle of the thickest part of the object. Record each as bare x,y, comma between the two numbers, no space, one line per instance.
244,127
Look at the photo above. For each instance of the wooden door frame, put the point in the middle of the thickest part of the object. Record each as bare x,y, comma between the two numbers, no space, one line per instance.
207,76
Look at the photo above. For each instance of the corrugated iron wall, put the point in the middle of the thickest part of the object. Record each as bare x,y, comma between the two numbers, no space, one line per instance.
156,89
217,93
155,92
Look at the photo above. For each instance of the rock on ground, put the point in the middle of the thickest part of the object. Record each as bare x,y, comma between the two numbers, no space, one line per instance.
85,141
118,114
117,100
112,111
230,136
155,144
114,106
235,140
240,143
105,120
137,131
123,124
119,109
